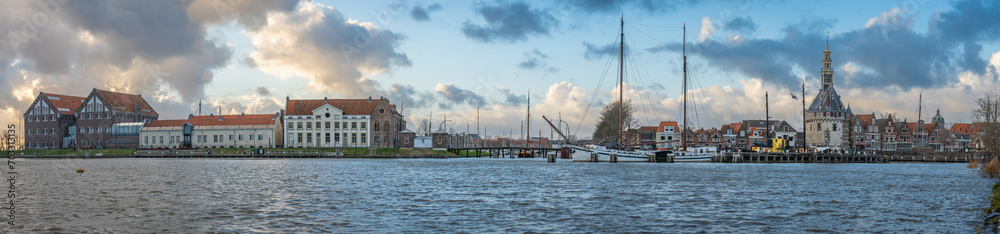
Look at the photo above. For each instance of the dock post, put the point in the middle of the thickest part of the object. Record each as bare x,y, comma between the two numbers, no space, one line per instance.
650,158
614,158
552,158
593,157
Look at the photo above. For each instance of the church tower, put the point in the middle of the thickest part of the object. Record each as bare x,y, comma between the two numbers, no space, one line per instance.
826,74
827,120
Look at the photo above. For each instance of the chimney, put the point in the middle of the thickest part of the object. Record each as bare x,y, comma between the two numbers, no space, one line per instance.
369,98
211,115
241,114
324,100
190,116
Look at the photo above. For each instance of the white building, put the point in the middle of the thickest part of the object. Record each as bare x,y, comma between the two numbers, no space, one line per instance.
667,135
213,131
328,123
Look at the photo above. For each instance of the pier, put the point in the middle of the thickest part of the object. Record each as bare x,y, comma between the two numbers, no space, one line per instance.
501,151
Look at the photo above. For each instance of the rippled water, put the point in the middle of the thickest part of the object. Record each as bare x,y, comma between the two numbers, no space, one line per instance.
495,195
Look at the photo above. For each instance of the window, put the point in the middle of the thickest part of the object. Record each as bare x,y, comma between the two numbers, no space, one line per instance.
834,127
260,136
145,140
354,125
230,137
215,138
406,140
327,137
309,125
241,137
336,137
354,138
819,127
663,138
299,137
376,140
327,125
299,124
309,137
375,127
161,139
363,138
363,125
336,125
386,126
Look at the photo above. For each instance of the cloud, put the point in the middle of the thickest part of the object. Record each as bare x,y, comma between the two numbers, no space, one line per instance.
335,53
458,95
597,52
148,48
409,97
740,24
510,22
251,14
419,13
888,54
262,91
535,59
706,29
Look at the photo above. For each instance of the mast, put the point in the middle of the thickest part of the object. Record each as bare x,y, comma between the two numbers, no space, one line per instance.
685,121
528,121
621,87
803,115
920,109
767,121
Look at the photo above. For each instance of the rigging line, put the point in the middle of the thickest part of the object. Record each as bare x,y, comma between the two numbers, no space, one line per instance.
607,67
648,76
711,108
634,65
657,41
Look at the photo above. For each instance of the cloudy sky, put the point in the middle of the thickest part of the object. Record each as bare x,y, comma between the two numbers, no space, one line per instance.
456,57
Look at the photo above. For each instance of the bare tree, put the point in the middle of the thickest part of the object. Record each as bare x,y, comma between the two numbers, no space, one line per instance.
607,124
424,128
987,119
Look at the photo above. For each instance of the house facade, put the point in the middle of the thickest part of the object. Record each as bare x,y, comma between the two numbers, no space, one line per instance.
102,109
50,121
213,131
329,123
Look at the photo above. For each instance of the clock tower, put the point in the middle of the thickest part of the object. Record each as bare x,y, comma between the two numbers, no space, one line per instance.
826,74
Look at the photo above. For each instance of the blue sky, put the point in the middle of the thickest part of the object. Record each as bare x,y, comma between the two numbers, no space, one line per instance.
454,57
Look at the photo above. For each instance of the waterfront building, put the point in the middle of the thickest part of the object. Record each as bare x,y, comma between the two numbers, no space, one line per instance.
827,117
729,136
213,131
647,136
50,121
961,139
667,136
325,123
101,110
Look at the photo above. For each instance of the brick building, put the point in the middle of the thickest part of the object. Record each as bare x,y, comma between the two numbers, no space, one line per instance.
102,109
50,121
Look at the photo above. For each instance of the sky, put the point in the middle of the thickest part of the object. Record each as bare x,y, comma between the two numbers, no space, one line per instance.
474,63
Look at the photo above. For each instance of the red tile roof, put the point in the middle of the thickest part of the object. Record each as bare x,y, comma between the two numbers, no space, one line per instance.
118,101
866,119
250,116
647,128
65,104
665,124
961,128
226,121
349,106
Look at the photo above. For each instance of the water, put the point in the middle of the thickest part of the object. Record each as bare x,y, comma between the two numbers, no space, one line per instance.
492,195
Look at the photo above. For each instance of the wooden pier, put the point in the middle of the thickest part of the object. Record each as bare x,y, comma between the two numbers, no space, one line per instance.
502,151
939,157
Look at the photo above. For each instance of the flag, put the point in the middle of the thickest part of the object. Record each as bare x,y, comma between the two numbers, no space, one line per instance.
793,96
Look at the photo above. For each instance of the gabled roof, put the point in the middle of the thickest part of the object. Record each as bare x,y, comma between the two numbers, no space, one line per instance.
827,100
665,124
913,126
123,102
866,119
961,128
735,126
648,128
349,106
64,104
250,116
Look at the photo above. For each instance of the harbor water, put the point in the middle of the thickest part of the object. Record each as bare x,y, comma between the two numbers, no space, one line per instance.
491,195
